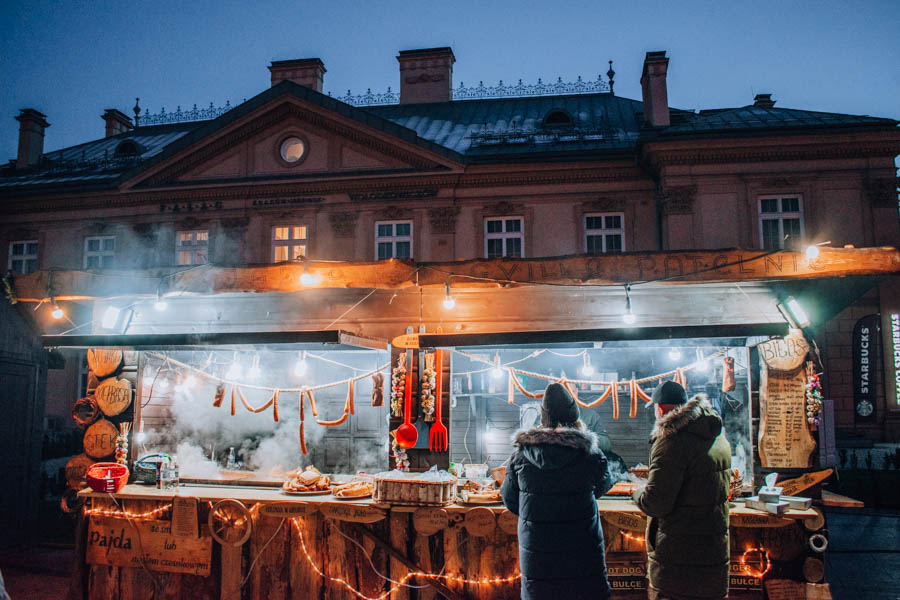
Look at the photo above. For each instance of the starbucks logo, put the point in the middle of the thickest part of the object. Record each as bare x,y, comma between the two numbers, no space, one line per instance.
864,408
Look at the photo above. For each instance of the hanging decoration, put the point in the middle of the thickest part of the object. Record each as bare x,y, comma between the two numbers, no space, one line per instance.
398,453
398,387
426,388
122,443
377,390
814,397
728,383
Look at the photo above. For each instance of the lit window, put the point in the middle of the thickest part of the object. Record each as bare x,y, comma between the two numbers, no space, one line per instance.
780,222
504,237
99,252
288,242
393,239
292,149
192,247
604,233
23,257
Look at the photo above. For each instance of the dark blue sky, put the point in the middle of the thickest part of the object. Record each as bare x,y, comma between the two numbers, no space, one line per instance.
71,60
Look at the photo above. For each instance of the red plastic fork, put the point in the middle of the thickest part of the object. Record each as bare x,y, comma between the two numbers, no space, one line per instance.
438,436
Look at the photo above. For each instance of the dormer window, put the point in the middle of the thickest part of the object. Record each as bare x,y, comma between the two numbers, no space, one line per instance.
558,119
128,148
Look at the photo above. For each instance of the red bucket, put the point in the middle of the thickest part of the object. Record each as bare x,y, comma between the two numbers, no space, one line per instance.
107,477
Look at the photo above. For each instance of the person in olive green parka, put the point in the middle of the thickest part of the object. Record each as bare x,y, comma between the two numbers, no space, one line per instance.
686,498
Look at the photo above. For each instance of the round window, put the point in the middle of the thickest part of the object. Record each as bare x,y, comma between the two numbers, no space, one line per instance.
292,149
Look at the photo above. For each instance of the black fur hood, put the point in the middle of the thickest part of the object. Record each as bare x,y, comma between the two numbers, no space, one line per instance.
696,416
548,448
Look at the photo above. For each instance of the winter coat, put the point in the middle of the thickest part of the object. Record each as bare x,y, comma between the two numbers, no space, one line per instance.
686,497
551,483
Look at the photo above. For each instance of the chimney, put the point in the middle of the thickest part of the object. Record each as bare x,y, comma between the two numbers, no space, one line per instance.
308,72
653,86
31,137
763,101
426,75
116,122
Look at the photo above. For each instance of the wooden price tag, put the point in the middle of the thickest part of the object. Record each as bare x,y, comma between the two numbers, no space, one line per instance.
100,439
184,517
428,521
628,521
104,362
113,396
287,510
75,470
508,523
358,513
480,522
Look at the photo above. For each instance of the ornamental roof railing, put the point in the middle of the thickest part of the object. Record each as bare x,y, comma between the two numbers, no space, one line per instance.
370,98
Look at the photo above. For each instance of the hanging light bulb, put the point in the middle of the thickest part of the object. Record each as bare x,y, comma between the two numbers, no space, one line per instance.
308,278
496,370
234,371
628,318
812,252
301,367
160,303
57,312
255,371
587,369
674,354
449,302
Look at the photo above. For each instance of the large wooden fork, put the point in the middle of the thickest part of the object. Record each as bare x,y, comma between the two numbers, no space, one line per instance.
437,440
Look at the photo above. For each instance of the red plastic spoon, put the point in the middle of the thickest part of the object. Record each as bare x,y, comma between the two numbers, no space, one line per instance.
407,433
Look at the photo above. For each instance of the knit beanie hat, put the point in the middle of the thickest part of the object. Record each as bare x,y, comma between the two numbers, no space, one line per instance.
558,407
669,393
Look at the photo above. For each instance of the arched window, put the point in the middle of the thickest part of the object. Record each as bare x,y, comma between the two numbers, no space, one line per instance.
128,148
558,118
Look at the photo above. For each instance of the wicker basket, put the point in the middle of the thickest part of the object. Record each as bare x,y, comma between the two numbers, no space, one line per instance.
414,492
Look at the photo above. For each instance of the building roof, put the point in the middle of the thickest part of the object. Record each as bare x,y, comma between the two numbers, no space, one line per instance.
593,125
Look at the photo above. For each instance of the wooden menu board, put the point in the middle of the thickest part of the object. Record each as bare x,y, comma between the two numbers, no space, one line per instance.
784,438
100,439
113,396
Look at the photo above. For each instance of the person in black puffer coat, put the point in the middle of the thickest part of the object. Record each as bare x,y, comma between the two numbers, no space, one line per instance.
552,480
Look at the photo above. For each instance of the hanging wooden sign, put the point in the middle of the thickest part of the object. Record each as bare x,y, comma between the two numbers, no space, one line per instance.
785,354
119,543
792,487
784,438
480,522
113,396
356,513
428,521
288,510
75,470
628,521
104,363
508,523
100,439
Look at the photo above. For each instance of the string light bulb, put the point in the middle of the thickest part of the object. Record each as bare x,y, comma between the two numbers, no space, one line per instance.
628,318
234,371
587,369
449,302
308,278
812,251
496,370
57,312
301,367
255,371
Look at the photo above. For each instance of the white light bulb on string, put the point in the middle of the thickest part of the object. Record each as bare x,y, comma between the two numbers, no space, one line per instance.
497,370
301,367
674,354
234,371
57,312
449,302
308,278
255,371
587,369
812,252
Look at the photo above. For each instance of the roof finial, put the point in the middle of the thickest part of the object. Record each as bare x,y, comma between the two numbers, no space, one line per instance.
611,74
137,111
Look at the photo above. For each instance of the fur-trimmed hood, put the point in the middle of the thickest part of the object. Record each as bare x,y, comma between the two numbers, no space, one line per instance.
548,448
696,416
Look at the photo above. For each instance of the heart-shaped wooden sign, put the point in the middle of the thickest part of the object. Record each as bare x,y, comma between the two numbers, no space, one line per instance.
114,396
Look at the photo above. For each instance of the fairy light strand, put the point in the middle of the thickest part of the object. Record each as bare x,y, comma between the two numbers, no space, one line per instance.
764,561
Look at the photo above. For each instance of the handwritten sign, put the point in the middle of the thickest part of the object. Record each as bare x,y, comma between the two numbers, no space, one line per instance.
480,522
758,520
785,354
100,439
428,521
288,510
184,517
784,438
104,363
113,396
356,513
628,521
75,470
119,543
792,487
508,523
409,340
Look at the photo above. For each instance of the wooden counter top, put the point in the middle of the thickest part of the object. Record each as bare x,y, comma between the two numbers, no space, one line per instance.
134,491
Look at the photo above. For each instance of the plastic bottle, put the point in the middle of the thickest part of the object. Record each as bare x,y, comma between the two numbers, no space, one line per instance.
231,465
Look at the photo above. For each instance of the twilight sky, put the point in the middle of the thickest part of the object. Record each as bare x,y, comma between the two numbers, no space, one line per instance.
71,60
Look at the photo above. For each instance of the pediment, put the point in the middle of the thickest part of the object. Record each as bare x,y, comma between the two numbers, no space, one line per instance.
335,144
